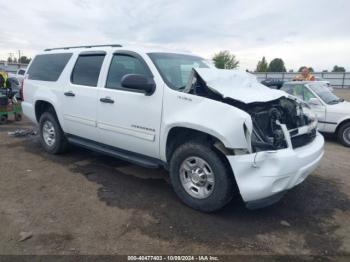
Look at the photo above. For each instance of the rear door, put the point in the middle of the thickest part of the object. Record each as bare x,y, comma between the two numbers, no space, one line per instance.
80,96
129,119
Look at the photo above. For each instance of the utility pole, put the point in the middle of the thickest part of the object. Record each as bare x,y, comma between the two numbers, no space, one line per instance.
19,55
11,55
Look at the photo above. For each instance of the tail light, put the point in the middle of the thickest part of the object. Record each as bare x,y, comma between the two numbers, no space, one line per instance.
21,90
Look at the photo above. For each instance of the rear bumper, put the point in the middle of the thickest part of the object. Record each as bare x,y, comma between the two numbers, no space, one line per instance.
265,175
28,111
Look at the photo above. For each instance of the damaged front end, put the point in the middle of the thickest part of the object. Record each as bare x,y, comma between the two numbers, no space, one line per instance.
278,121
281,124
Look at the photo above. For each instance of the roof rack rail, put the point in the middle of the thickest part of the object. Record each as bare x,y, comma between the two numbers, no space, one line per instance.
83,46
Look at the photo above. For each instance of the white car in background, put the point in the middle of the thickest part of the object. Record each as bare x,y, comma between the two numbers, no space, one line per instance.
20,74
333,113
327,83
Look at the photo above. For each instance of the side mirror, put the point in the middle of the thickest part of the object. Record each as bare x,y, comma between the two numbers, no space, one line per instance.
139,82
314,102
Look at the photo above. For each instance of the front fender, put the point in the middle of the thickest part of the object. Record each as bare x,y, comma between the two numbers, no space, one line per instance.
342,120
215,118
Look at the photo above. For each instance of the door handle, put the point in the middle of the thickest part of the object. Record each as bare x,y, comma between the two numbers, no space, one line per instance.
107,100
69,93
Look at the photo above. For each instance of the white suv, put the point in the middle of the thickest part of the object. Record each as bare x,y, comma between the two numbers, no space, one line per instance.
216,131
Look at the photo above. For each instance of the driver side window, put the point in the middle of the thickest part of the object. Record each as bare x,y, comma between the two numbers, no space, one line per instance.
122,65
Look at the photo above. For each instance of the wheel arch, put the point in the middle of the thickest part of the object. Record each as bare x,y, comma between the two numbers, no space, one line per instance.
341,123
178,135
41,106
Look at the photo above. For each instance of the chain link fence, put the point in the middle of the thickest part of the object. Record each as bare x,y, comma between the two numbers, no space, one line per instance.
337,80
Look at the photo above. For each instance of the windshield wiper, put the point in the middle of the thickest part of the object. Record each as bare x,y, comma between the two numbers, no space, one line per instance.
334,101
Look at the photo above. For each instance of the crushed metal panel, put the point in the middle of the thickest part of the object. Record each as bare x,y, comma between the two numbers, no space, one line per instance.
235,84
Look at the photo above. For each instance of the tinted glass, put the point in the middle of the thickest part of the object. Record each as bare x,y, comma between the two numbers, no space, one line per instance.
48,67
87,70
175,69
122,65
21,72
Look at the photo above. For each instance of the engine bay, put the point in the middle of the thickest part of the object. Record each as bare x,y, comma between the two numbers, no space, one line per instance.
267,117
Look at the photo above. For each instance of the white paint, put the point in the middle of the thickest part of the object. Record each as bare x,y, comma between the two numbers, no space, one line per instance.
116,124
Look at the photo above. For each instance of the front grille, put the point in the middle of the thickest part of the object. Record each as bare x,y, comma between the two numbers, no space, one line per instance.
302,140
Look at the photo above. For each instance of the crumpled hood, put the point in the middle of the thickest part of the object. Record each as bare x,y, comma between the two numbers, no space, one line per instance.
238,85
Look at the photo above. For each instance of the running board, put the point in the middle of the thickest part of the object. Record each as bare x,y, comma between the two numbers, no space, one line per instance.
132,157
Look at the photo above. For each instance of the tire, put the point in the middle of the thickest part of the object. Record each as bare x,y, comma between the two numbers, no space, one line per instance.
50,128
211,196
344,134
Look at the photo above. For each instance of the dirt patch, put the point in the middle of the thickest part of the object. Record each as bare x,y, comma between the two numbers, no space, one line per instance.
307,208
86,203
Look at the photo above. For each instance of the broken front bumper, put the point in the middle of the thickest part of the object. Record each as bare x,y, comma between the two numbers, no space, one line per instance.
263,177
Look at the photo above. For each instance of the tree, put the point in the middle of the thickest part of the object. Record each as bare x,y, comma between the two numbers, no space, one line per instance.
225,60
325,71
262,65
338,69
276,65
15,60
24,60
310,69
9,59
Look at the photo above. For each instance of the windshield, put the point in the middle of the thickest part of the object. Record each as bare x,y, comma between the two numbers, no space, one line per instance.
175,69
324,93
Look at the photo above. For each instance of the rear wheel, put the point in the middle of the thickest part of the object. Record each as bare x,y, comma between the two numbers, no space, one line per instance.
201,177
344,134
51,135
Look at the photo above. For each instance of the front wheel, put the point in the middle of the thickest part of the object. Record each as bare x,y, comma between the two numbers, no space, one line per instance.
201,177
344,134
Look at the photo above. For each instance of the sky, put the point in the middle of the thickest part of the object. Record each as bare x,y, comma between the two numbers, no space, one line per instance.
312,33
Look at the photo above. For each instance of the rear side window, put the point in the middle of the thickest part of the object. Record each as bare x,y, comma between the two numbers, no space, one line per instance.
87,70
21,72
48,67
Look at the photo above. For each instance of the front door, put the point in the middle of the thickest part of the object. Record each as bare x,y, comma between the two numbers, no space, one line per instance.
319,109
129,119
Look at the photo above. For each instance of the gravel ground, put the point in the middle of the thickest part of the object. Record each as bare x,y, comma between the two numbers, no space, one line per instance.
86,203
